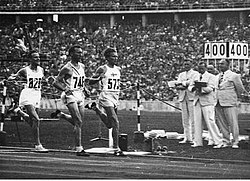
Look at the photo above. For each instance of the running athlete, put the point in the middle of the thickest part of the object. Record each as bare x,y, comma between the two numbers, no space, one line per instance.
30,96
108,77
71,80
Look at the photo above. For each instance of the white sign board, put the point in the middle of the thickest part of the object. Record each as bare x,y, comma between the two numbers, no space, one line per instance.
218,50
238,50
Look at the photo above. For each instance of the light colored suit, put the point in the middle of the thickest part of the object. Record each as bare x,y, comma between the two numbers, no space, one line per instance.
186,98
227,95
204,102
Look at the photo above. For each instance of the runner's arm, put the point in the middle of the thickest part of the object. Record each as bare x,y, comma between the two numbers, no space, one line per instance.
59,81
20,75
98,75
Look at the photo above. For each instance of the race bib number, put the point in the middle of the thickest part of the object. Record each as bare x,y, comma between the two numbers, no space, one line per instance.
113,84
78,82
35,83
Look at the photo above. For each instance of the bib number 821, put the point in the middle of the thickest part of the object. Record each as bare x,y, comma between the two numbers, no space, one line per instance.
35,83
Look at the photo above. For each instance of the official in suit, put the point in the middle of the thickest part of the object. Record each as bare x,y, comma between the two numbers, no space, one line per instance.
230,88
204,107
186,98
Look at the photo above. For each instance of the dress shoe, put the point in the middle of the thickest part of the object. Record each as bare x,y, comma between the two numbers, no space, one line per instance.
191,142
210,143
219,146
185,141
196,145
235,146
225,145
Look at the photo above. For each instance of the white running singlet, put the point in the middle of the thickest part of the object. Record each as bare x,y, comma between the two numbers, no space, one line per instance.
31,94
110,87
76,83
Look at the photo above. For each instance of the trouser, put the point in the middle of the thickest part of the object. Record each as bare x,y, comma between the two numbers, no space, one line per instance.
208,114
228,122
188,118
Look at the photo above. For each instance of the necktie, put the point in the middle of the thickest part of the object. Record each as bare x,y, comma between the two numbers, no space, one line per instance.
221,77
186,75
200,77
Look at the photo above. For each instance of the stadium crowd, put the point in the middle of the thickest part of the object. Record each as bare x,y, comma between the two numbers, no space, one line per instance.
152,55
90,5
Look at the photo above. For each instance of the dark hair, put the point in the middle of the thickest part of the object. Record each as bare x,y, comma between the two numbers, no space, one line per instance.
187,60
72,49
202,63
228,62
210,65
31,52
108,51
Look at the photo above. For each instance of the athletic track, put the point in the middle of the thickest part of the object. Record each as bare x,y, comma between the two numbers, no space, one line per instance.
20,163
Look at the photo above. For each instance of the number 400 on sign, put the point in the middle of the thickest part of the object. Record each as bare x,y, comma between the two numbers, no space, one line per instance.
217,50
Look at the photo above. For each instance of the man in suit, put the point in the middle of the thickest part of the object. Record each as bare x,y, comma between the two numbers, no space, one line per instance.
230,88
204,107
186,98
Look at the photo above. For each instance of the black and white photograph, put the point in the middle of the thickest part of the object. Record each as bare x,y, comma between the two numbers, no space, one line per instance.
124,89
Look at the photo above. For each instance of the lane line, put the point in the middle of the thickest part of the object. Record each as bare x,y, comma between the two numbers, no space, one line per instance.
204,160
77,162
47,175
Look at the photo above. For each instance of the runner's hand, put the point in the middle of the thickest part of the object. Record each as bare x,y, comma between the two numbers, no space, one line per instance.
68,92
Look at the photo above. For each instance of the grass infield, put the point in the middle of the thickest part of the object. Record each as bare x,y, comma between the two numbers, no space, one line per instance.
59,134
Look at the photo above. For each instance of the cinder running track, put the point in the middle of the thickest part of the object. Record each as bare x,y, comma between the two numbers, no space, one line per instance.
19,164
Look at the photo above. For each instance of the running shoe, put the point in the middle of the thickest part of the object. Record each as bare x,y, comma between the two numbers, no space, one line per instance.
41,149
17,110
55,114
13,109
119,153
82,153
91,105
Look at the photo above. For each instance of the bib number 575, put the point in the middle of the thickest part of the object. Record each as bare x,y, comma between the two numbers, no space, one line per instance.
113,84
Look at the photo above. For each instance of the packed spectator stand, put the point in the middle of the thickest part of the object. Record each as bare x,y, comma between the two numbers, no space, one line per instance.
152,55
117,5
